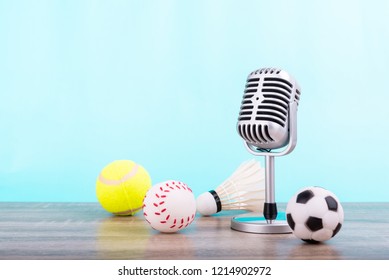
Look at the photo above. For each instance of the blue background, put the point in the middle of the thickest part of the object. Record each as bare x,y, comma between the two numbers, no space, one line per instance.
83,83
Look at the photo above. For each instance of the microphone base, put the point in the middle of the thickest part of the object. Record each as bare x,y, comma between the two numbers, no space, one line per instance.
256,223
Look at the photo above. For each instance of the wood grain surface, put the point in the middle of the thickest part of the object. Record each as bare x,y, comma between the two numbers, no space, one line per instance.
86,231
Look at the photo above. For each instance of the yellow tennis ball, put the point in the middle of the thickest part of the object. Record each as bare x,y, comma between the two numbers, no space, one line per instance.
122,186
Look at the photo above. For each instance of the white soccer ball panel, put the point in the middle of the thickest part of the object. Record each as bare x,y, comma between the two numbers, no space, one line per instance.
322,234
299,211
330,220
302,232
316,207
321,192
341,213
291,204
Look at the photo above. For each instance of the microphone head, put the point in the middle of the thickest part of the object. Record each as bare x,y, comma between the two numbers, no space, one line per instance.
264,113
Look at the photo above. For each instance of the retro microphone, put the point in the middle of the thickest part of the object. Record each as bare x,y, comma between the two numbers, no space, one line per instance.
268,125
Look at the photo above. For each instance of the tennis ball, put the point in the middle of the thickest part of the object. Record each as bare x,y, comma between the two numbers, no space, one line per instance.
122,186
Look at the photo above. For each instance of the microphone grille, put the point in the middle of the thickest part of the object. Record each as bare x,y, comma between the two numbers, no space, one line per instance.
267,95
282,76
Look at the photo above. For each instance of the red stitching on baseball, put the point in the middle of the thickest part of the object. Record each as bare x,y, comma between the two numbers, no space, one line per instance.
161,200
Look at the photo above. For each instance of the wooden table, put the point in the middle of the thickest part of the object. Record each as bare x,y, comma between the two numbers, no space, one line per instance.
86,231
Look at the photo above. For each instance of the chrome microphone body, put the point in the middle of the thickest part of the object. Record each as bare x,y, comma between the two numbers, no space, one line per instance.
264,113
267,122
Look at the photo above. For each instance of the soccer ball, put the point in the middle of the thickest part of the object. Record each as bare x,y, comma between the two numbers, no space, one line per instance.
314,214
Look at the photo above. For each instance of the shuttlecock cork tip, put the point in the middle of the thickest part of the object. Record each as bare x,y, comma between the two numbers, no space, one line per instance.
207,204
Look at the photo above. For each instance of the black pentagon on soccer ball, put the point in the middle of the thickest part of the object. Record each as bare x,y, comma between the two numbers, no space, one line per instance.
290,221
314,224
331,203
337,229
304,196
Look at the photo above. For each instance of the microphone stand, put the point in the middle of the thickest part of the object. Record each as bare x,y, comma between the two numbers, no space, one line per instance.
268,223
270,206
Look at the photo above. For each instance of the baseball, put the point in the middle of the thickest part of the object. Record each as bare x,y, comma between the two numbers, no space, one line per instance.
169,206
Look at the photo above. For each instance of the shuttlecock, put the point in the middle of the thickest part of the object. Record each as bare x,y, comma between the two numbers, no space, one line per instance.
244,189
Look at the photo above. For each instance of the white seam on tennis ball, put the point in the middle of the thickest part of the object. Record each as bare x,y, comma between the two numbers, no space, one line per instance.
111,182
